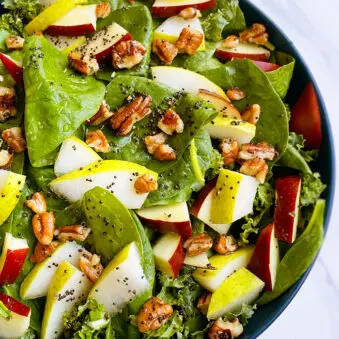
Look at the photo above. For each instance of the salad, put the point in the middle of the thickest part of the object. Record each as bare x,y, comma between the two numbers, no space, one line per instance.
154,181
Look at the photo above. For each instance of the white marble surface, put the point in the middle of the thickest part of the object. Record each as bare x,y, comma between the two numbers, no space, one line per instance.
314,28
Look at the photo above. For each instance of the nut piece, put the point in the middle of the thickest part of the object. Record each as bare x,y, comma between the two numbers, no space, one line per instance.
43,227
261,150
103,9
145,184
230,149
225,329
153,315
256,168
14,138
6,159
41,252
84,64
7,112
204,302
101,116
166,51
225,244
235,94
7,95
171,122
231,41
37,204
73,232
190,13
152,142
127,54
251,114
97,140
198,244
90,265
189,40
14,42
256,34
164,153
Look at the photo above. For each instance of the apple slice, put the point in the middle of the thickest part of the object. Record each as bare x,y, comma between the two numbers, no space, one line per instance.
11,185
18,322
201,208
101,43
265,259
80,20
74,154
14,253
241,287
224,266
66,44
169,254
306,118
37,282
183,79
14,68
68,287
200,261
286,213
116,176
166,8
234,196
242,51
266,66
171,218
121,282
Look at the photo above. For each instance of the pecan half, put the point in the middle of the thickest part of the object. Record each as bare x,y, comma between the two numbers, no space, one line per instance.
166,51
37,204
230,149
189,40
251,114
103,9
43,227
231,41
41,252
235,94
127,54
164,153
190,13
101,116
6,159
7,95
14,42
7,112
204,302
225,329
256,168
225,244
256,34
152,142
84,64
14,138
145,184
73,232
171,122
154,314
262,150
97,140
90,265
198,244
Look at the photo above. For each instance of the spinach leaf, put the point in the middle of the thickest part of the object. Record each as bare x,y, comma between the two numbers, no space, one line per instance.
71,215
58,101
300,256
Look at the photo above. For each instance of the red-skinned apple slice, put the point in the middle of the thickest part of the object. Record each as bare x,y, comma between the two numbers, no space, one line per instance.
169,254
14,68
286,213
172,218
167,8
266,66
13,256
80,20
265,258
306,119
242,51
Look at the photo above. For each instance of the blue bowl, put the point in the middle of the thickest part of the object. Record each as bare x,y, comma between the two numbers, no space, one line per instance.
266,315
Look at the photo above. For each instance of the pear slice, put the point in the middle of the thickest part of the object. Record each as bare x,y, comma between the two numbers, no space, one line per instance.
224,266
116,176
241,287
200,260
37,282
68,287
74,154
11,185
121,282
234,196
66,44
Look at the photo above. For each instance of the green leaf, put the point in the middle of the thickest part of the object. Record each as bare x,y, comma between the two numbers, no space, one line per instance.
311,189
245,313
71,215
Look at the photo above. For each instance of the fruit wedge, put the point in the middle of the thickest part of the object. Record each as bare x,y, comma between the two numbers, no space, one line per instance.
66,44
14,68
200,260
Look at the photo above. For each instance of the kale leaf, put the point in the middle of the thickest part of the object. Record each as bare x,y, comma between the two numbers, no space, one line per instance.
312,187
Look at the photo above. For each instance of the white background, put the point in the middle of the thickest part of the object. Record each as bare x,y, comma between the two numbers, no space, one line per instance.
314,28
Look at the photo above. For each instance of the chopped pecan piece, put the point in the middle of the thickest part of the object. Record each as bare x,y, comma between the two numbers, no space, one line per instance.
190,13
230,149
198,244
84,64
189,40
73,232
90,265
204,302
14,138
7,112
164,153
166,51
261,150
235,94
103,9
225,329
256,34
171,122
97,140
6,159
37,204
101,116
153,315
145,184
127,54
43,227
256,168
152,142
225,244
251,114
231,41
7,95
14,42
41,252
